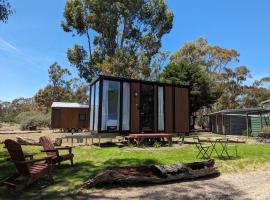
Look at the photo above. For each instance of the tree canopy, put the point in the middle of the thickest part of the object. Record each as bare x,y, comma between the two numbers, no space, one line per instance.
125,35
203,90
5,10
214,58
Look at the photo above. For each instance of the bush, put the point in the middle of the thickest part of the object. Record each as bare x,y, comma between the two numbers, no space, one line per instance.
33,118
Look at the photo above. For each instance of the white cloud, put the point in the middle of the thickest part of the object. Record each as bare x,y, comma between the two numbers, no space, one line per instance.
7,46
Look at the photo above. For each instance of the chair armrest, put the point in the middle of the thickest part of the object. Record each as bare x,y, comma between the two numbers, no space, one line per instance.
65,148
30,155
26,155
50,150
27,162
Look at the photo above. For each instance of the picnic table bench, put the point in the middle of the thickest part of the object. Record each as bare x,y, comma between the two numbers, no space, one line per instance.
139,137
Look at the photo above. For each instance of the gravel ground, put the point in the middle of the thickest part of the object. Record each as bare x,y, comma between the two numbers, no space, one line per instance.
252,185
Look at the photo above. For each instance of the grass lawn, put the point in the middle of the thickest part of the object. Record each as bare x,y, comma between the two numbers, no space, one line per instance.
91,160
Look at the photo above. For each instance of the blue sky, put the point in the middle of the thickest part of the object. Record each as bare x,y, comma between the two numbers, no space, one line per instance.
33,38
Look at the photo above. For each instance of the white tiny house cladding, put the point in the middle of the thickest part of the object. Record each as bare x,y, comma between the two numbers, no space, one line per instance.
126,105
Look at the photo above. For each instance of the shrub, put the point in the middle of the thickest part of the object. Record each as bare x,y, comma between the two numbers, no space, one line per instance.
33,118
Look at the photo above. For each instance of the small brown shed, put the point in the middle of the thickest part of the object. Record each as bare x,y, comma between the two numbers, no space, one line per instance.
123,105
69,116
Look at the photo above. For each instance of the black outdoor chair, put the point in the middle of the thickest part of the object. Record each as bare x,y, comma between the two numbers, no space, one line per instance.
202,148
229,146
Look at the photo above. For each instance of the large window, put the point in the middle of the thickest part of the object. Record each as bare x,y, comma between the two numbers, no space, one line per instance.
126,106
110,105
96,106
160,108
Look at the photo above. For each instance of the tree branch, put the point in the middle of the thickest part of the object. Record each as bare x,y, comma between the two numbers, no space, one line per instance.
89,44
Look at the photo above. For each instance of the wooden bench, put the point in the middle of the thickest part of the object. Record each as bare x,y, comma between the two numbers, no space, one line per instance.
139,137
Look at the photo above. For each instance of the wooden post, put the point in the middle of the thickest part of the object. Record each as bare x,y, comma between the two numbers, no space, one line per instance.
216,123
222,120
247,125
261,121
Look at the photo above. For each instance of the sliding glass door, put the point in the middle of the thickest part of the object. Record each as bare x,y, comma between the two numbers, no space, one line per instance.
147,108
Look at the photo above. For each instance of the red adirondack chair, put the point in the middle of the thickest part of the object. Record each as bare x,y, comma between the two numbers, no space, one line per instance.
54,152
31,170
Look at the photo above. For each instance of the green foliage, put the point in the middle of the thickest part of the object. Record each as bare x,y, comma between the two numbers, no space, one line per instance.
129,29
256,93
213,58
9,110
232,82
5,10
33,118
203,90
61,88
157,144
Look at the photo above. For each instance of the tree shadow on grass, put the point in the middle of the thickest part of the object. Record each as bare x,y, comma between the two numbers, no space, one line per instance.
203,188
68,180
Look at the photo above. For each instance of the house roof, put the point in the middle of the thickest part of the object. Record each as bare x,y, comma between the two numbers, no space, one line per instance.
240,111
68,105
105,77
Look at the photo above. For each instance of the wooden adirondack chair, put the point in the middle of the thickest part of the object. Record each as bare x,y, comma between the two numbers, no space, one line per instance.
54,152
31,170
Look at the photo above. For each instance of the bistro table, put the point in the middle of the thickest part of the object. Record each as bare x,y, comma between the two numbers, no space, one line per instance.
223,143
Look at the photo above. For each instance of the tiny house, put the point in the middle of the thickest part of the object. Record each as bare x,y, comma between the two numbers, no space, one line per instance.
123,105
69,116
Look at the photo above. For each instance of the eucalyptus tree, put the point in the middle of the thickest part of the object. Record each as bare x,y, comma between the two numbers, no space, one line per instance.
122,36
214,58
5,10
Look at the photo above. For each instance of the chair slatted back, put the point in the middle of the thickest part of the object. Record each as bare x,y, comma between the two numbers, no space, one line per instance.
16,154
47,144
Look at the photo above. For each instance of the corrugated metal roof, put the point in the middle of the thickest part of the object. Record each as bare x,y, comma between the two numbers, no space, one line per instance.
68,105
240,110
264,102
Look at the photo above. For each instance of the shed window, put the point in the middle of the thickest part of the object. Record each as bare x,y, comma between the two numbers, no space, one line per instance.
160,108
82,117
110,105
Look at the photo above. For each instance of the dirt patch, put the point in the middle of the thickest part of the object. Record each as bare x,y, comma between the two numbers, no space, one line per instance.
253,185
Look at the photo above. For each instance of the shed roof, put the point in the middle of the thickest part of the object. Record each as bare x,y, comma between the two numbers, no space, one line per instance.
68,105
264,102
240,111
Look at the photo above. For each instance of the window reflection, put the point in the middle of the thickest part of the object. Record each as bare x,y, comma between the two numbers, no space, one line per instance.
110,105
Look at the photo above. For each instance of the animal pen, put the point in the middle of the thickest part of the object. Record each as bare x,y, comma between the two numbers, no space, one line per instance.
246,121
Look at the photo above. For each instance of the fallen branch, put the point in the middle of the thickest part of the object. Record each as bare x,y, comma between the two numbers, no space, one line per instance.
154,174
